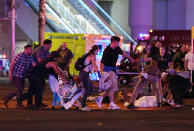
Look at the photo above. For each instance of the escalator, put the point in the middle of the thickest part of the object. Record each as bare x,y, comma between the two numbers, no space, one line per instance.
77,16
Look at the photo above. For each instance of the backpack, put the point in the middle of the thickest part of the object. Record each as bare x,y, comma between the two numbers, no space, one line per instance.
79,65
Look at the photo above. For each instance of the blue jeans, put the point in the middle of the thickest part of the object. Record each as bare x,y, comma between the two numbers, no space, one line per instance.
141,82
56,99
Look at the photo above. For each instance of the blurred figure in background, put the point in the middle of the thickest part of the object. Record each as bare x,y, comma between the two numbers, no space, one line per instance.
155,51
65,58
163,60
189,65
178,58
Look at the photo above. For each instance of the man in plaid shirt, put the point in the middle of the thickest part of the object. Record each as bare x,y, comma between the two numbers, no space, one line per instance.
18,72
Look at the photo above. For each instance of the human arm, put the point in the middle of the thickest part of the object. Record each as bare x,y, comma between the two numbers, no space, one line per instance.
39,60
101,67
160,86
147,58
13,62
185,64
70,58
175,58
56,69
68,64
33,64
59,48
93,60
127,56
11,70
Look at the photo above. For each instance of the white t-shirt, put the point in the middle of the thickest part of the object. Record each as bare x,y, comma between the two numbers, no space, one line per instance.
190,58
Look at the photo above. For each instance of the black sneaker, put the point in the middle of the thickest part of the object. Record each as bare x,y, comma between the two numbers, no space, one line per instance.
53,107
5,102
19,106
30,106
131,106
159,104
43,105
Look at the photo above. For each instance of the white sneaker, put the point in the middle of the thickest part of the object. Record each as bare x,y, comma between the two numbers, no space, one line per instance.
113,106
126,103
78,103
178,105
86,109
99,101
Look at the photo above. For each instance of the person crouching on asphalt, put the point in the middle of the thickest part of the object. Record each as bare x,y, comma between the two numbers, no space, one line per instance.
179,87
151,74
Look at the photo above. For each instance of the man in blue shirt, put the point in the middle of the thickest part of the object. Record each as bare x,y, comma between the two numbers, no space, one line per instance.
40,54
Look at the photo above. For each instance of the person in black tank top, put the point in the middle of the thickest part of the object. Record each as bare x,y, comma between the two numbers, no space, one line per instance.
84,76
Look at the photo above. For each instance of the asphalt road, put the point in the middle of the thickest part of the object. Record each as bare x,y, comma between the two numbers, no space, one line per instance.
141,119
47,119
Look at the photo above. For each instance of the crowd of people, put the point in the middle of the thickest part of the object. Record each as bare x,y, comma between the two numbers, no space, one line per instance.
40,64
168,71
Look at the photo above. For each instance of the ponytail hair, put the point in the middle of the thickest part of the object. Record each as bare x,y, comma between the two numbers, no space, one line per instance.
93,49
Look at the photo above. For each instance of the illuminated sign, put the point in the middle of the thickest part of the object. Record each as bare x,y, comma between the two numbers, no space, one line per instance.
143,36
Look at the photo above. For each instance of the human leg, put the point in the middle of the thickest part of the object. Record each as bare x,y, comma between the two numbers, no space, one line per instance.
87,87
39,93
176,97
139,84
111,91
53,83
20,87
99,99
156,87
19,82
42,92
31,91
56,99
106,84
159,85
157,93
134,95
